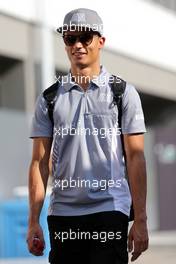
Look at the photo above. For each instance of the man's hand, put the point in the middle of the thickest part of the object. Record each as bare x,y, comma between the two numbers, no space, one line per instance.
35,240
138,239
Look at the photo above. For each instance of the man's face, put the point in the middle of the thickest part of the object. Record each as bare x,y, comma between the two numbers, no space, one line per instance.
83,47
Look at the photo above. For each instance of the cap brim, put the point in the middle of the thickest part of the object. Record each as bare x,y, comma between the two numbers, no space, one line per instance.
64,29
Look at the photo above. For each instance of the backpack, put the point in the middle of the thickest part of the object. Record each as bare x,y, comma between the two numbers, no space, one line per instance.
118,86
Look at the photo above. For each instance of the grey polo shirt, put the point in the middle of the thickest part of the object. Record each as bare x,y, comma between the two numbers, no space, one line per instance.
88,169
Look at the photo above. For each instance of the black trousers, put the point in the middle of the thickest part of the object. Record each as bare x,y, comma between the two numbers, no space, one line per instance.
89,239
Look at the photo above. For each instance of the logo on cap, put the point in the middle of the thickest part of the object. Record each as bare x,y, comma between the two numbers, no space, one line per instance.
78,17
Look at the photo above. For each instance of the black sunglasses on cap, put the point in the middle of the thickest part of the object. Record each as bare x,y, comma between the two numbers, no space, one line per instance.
84,38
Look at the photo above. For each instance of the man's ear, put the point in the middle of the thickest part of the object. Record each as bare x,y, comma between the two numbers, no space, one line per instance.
102,42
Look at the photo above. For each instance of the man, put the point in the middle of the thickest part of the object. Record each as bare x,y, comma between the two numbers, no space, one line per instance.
90,200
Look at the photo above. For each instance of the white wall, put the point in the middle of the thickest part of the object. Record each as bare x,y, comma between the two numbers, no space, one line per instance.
15,151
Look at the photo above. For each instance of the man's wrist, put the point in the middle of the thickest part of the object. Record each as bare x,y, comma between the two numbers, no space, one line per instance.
140,218
33,220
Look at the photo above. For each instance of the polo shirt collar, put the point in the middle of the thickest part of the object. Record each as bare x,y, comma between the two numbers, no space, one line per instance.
100,80
68,82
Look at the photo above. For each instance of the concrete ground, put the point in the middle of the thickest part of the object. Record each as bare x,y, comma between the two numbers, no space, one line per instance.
162,250
158,255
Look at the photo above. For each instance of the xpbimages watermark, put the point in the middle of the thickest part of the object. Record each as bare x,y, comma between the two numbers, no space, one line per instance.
102,236
86,183
71,27
100,80
82,131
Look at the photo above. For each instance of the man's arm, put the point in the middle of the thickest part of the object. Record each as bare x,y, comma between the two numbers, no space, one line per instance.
138,235
38,178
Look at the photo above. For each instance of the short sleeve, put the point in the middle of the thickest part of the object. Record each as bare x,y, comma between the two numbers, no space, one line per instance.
132,112
41,124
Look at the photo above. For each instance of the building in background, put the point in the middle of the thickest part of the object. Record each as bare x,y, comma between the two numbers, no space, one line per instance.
170,4
31,55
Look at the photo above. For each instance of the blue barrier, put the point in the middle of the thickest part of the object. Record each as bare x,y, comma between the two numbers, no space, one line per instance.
13,228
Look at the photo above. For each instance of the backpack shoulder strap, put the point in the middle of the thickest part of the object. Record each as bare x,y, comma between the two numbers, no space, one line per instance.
118,88
50,96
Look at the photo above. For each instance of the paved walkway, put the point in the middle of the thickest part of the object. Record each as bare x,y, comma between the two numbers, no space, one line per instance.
158,255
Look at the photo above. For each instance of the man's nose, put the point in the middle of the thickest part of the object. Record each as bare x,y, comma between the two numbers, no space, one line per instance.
78,44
